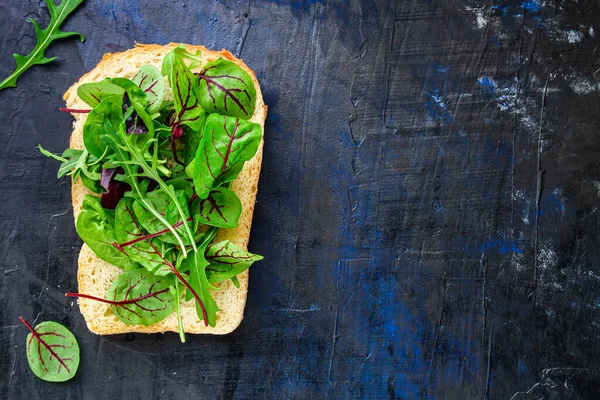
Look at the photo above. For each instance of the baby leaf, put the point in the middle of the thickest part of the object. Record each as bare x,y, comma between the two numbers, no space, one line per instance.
221,208
135,97
104,118
94,92
161,201
44,37
138,297
226,144
95,227
150,80
197,266
227,260
52,351
226,89
149,253
188,111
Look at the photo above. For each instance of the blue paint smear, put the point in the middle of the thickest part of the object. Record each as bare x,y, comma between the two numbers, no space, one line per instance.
531,6
554,205
503,246
441,69
487,83
437,107
521,367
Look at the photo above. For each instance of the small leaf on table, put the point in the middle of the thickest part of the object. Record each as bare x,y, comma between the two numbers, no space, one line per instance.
52,351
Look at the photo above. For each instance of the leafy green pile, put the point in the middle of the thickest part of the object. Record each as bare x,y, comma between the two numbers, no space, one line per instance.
164,170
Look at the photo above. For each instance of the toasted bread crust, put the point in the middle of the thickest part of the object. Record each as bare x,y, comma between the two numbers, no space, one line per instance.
94,275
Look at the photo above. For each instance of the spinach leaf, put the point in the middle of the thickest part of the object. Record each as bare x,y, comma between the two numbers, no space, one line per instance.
227,89
149,252
104,118
227,260
58,14
226,144
94,92
197,264
221,208
52,351
138,297
161,201
96,228
92,184
150,80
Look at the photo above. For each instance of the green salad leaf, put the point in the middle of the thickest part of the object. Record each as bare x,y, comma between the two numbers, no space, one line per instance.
226,144
139,297
58,14
96,227
220,208
52,351
150,81
227,260
227,89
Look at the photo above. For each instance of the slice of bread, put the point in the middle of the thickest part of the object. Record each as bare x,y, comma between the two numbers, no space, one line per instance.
94,275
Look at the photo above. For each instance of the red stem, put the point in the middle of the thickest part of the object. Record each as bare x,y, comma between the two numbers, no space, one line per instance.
43,343
116,303
120,246
74,111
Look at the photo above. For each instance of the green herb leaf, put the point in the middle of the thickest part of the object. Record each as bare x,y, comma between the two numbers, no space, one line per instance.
161,201
94,92
138,297
138,100
227,260
151,81
44,37
52,351
95,226
226,144
221,208
227,89
198,281
104,118
188,110
150,253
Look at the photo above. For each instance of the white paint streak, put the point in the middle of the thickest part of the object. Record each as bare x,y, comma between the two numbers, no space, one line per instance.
573,37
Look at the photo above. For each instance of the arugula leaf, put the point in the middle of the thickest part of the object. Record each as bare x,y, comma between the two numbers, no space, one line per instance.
227,89
221,208
161,201
197,266
226,144
150,253
138,297
44,37
52,351
94,92
95,227
227,260
150,80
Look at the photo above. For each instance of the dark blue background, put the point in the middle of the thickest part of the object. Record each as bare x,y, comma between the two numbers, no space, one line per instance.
428,205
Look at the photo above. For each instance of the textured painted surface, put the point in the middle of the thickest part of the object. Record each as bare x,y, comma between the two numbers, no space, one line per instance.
428,206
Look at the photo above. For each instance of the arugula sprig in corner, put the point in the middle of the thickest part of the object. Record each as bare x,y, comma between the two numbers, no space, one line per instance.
58,14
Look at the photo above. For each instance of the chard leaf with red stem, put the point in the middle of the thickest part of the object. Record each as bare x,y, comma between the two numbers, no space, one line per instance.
44,37
226,144
149,252
221,208
93,93
186,105
96,227
227,260
226,89
138,298
52,351
150,80
161,201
